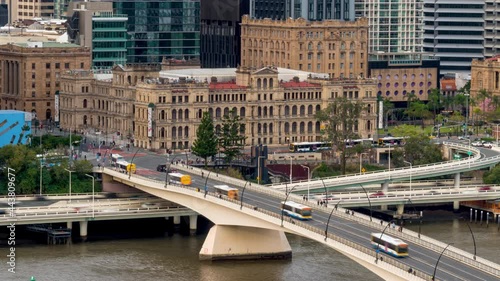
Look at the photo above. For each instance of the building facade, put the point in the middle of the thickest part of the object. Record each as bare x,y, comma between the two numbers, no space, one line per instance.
316,10
453,31
30,72
93,24
162,113
399,74
29,9
395,26
158,29
338,48
485,74
221,32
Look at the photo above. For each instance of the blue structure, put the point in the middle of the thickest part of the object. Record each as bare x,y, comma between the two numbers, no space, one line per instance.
15,127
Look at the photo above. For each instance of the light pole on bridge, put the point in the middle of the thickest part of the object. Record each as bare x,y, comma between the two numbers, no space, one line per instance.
328,222
369,202
435,267
380,238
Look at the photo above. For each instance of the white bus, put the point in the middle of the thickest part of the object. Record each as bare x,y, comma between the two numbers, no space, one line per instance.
225,190
390,245
125,167
179,178
116,158
296,210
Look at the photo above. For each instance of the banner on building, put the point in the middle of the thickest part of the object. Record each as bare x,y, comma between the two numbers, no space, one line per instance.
56,107
381,114
150,122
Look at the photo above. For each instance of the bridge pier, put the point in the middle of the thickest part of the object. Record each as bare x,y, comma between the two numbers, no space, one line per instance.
457,180
225,242
400,209
193,219
83,230
177,223
456,206
69,225
385,186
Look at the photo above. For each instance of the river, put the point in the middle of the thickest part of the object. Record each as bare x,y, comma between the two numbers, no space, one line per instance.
162,257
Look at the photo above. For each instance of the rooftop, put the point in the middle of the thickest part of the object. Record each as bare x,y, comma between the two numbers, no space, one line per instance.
46,45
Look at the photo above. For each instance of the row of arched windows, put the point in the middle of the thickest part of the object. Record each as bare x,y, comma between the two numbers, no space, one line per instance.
302,110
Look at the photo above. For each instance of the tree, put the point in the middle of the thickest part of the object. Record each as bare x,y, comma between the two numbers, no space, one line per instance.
434,103
340,119
493,176
407,131
418,150
205,144
232,138
418,109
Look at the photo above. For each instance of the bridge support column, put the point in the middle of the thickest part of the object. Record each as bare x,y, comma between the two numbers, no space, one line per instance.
69,224
457,180
385,186
456,206
83,230
193,219
400,209
177,223
383,207
239,242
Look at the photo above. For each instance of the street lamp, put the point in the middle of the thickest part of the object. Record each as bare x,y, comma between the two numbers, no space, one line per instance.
410,173
435,267
328,222
369,202
420,216
473,239
69,182
259,173
286,199
308,179
132,163
93,194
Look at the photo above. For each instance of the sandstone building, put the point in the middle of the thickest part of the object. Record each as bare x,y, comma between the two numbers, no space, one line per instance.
339,48
29,75
164,113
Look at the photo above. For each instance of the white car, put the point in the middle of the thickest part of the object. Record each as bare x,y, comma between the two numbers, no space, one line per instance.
477,144
488,145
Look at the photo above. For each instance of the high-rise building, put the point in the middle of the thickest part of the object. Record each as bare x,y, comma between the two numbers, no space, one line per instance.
453,31
312,10
395,26
158,29
29,9
221,32
491,35
94,25
339,48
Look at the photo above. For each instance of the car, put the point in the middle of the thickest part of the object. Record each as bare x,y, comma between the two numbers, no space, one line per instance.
487,145
329,198
463,137
150,205
377,194
484,188
39,197
477,144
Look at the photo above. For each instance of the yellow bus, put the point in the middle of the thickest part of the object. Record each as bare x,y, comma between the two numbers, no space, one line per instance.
179,178
225,190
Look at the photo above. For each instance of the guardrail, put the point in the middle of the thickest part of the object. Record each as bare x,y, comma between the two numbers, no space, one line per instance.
438,247
416,171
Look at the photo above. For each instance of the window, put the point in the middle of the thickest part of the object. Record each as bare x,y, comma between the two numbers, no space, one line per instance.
33,104
82,65
47,65
58,65
33,66
66,65
48,103
33,94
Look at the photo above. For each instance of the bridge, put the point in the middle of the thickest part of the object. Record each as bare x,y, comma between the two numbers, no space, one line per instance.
84,210
254,227
477,161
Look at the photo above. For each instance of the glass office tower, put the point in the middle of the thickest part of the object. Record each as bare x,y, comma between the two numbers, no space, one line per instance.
158,29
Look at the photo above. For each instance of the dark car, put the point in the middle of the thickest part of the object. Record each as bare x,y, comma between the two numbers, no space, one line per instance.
161,168
377,194
40,198
484,188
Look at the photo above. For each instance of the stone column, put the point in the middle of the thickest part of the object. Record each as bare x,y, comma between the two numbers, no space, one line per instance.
177,223
456,206
400,209
193,219
69,224
457,181
83,230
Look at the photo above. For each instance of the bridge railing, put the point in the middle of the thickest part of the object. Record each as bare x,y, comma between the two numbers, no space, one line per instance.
477,155
408,235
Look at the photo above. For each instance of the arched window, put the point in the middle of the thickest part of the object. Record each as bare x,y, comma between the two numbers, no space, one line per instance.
271,111
200,113
265,111
234,111
264,83
186,132
287,128
174,132
302,127
310,110
242,112
265,128
259,111
318,108
174,114
302,110
84,119
162,132
218,112
162,115
271,83
259,129
259,82
294,110
310,127
226,111
85,103
294,127
179,114
287,110
186,114
179,132
270,128
318,127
